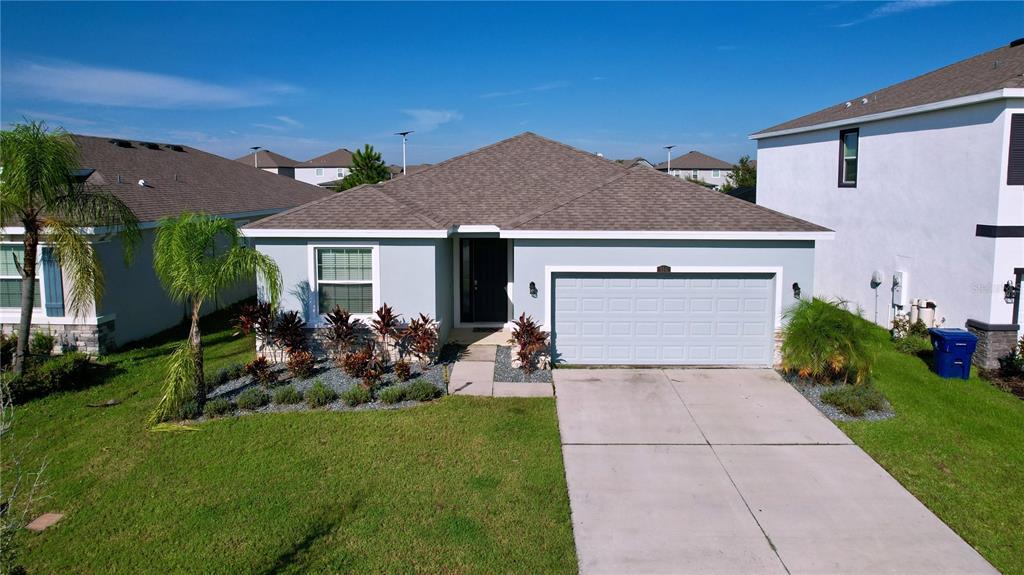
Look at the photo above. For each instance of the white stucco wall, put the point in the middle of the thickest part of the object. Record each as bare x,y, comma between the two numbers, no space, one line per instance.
924,183
706,175
330,174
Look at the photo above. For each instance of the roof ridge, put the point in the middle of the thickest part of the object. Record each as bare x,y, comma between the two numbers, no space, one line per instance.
547,208
409,209
298,207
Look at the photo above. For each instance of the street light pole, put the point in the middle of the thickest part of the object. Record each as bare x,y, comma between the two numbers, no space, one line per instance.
668,152
405,137
255,156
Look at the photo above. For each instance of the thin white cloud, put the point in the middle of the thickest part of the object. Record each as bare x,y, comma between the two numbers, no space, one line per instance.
538,88
425,120
238,144
81,84
57,119
892,8
289,121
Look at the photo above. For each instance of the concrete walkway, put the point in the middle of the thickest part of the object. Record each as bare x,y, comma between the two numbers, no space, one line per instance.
732,471
473,374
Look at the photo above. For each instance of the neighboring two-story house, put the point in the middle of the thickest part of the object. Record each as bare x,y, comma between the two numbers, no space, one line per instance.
923,183
695,165
270,162
326,168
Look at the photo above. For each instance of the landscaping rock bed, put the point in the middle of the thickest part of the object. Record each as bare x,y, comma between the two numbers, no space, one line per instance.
813,390
336,379
504,372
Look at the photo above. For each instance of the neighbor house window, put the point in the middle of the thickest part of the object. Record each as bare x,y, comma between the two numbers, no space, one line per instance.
319,171
848,150
694,174
344,278
10,279
716,173
341,172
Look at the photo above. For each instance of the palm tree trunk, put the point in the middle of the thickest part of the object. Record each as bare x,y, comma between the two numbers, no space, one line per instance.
28,294
196,342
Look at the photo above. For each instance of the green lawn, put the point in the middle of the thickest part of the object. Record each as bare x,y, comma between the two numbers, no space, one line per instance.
958,446
460,485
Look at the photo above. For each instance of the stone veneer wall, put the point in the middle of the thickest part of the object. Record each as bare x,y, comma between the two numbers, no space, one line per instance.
90,339
994,342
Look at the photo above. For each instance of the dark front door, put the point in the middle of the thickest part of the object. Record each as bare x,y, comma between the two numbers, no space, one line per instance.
484,277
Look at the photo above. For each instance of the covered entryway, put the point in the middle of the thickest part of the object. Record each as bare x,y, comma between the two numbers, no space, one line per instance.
483,280
664,318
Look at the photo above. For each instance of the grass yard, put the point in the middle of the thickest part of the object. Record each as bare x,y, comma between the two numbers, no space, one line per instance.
460,485
958,446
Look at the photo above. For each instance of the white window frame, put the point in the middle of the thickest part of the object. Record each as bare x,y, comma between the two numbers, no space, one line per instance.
341,172
319,171
695,174
39,278
716,173
315,317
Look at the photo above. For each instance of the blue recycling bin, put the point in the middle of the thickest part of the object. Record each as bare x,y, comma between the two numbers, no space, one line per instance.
953,351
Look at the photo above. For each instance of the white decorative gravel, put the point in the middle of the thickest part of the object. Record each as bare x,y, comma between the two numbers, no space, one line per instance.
812,391
504,372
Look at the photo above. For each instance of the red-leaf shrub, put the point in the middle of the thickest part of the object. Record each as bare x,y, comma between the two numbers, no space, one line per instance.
530,339
301,363
261,370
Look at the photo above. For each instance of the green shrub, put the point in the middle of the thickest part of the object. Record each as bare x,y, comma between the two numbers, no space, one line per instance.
1012,364
61,373
319,395
421,390
855,400
391,394
912,344
824,341
217,407
224,375
287,395
42,343
189,410
253,398
356,395
8,345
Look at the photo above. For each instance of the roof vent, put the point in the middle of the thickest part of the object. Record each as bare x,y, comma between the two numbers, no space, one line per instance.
863,100
1017,42
119,179
848,104
150,145
175,147
144,183
121,143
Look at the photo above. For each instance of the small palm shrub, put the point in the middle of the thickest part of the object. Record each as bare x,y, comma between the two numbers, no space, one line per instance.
287,395
530,341
319,395
262,371
301,362
252,398
421,390
344,332
855,400
402,370
391,394
218,407
825,342
290,332
420,338
42,343
385,327
356,395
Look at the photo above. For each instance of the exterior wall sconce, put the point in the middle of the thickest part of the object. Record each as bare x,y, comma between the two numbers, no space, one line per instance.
796,290
1010,292
533,289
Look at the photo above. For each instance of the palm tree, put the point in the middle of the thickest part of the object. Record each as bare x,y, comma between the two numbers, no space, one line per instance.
196,256
41,190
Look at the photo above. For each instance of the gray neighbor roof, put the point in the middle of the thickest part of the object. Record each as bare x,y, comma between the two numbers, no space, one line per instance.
268,159
994,70
340,158
183,179
694,160
528,182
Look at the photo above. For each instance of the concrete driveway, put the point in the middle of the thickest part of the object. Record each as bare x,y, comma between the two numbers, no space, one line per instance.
732,471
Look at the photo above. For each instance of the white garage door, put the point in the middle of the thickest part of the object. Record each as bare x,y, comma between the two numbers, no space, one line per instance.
656,319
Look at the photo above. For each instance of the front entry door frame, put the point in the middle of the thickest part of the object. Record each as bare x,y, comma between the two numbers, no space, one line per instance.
457,283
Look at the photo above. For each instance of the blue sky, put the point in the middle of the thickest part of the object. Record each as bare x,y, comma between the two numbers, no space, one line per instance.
619,79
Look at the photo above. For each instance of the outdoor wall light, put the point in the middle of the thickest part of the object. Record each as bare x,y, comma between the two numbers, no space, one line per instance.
533,289
796,290
1009,292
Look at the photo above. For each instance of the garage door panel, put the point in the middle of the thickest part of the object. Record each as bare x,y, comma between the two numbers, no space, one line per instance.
663,319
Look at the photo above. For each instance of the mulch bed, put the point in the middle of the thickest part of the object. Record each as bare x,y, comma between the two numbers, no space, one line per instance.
1014,385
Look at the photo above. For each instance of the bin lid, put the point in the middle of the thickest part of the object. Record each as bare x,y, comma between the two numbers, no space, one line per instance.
953,334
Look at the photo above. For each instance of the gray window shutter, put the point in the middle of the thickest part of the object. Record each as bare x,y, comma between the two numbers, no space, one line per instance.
1015,158
53,283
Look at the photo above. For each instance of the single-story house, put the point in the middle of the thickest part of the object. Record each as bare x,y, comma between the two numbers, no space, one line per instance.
623,265
699,166
923,183
155,181
271,162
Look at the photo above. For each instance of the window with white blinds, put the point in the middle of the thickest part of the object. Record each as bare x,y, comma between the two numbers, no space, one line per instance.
345,279
10,279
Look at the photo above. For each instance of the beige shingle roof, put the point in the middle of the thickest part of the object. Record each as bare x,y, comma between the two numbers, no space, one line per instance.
340,158
268,159
694,160
994,70
531,182
182,178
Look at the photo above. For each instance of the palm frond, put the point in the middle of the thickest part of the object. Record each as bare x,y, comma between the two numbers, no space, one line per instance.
241,262
38,164
180,385
92,206
78,259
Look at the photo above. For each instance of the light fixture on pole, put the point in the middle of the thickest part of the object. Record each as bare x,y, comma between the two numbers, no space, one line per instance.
405,137
255,156
668,152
